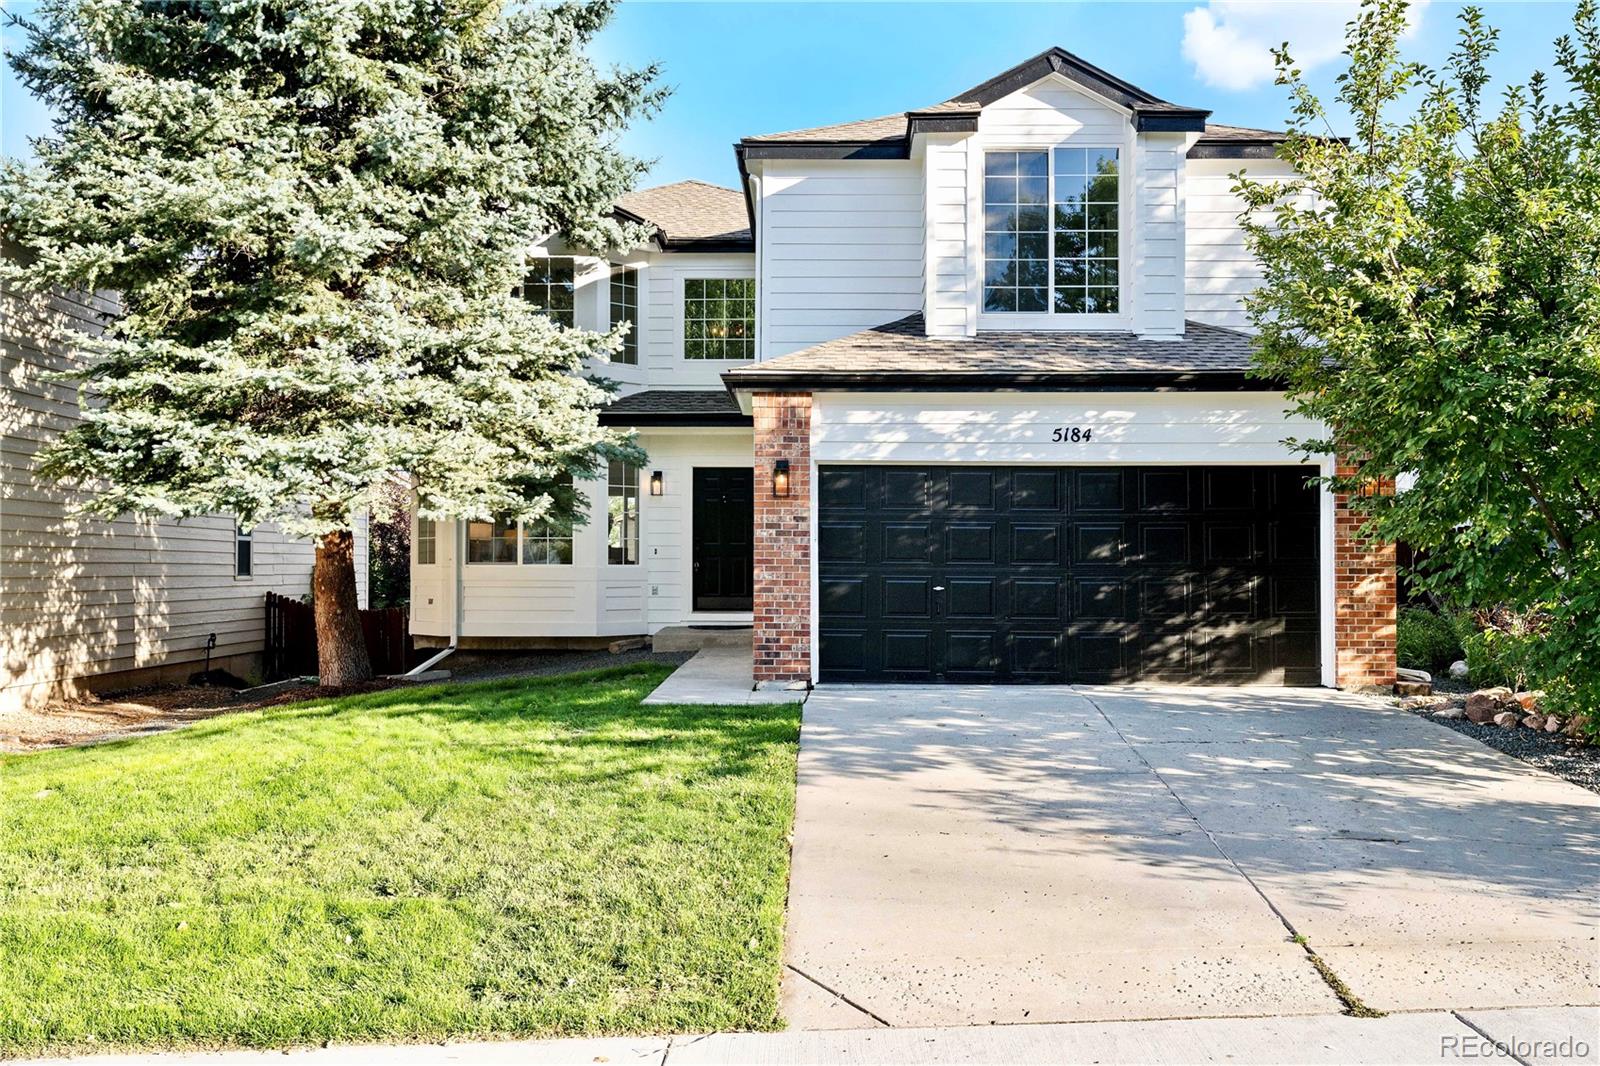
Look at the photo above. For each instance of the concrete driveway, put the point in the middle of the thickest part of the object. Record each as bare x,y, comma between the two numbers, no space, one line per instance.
1002,855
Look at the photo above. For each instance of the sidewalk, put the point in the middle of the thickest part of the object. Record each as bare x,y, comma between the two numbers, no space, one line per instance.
1533,1035
719,677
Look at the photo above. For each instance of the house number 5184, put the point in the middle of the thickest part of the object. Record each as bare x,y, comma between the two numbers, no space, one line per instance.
1072,434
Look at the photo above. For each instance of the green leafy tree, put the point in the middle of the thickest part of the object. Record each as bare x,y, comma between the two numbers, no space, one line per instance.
1432,297
315,216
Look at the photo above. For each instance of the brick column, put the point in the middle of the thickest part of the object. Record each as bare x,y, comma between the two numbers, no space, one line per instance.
781,640
1364,589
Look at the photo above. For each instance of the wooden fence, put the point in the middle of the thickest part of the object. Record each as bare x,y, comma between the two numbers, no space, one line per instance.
291,649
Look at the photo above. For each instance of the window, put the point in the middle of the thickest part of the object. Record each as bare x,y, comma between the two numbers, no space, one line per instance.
1050,232
492,542
719,318
427,542
622,514
243,550
625,308
547,542
550,284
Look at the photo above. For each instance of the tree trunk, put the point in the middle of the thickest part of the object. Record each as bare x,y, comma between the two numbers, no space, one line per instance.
341,649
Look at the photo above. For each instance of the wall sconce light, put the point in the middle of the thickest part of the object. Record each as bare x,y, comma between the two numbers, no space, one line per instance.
657,484
780,478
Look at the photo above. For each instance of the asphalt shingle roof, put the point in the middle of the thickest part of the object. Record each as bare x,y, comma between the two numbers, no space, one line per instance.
690,211
900,348
674,407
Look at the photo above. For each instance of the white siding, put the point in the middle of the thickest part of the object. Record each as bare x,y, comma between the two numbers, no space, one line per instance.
1128,428
83,599
590,597
951,272
661,306
841,248
1221,270
1158,263
1049,112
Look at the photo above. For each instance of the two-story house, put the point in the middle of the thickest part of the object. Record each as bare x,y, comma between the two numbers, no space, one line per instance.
957,394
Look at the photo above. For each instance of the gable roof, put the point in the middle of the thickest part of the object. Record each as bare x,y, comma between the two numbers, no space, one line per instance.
692,216
889,136
900,355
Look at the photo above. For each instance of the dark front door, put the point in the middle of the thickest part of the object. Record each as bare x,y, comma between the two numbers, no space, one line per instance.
724,536
1068,574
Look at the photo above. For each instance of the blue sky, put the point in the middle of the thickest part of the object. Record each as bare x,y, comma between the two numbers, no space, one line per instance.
747,68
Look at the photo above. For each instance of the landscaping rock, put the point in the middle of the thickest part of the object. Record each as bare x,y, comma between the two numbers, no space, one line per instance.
1533,721
1507,719
1484,704
1450,712
1578,726
1405,673
1423,703
1458,670
1553,723
1528,701
1413,688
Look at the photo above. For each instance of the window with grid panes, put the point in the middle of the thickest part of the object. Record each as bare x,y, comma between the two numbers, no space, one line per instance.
1051,231
719,318
550,285
625,308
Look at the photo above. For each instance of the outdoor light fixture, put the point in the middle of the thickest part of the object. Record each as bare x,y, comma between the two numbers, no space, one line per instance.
780,478
657,485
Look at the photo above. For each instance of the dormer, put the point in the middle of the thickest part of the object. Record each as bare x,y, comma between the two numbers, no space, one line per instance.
1050,197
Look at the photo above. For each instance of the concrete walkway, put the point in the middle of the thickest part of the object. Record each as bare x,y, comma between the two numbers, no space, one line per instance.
1538,1036
1027,855
719,676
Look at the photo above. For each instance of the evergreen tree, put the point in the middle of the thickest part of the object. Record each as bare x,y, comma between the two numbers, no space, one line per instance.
315,216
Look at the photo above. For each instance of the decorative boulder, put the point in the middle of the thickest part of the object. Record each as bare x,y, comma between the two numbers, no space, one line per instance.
1553,723
1458,670
1534,721
1485,703
1507,719
1450,712
1528,701
1413,688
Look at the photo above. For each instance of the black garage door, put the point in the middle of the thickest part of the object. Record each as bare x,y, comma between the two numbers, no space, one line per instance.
1077,574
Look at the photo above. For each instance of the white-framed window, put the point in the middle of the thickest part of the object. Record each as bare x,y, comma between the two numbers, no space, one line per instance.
494,541
622,514
551,284
243,551
719,318
625,308
427,542
1051,231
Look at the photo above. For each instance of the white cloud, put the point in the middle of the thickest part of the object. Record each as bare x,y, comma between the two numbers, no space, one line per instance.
1230,42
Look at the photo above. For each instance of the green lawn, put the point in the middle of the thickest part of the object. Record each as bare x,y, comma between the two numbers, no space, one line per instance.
539,857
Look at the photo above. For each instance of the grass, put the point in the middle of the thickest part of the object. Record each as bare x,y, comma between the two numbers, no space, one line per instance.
521,858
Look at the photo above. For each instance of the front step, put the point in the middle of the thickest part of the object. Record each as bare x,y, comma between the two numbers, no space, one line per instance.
693,638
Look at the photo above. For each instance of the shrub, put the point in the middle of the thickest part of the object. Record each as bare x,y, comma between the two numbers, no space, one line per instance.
1426,640
1506,647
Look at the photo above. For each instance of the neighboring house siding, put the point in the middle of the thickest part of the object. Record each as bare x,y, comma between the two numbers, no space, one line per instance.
842,249
1221,270
87,603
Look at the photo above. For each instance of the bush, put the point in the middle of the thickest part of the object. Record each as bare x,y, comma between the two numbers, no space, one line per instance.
1426,640
1505,647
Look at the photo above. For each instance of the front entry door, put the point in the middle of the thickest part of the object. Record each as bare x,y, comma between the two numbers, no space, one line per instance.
724,538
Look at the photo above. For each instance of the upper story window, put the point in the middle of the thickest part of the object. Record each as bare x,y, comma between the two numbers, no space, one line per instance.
719,318
1051,225
550,284
625,308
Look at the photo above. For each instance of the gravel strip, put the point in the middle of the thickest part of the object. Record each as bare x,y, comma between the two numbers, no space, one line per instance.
1572,762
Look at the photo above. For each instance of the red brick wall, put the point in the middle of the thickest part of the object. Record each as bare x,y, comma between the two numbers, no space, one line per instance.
781,641
1364,600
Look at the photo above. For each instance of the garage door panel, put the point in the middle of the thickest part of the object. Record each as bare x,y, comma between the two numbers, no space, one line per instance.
1030,574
